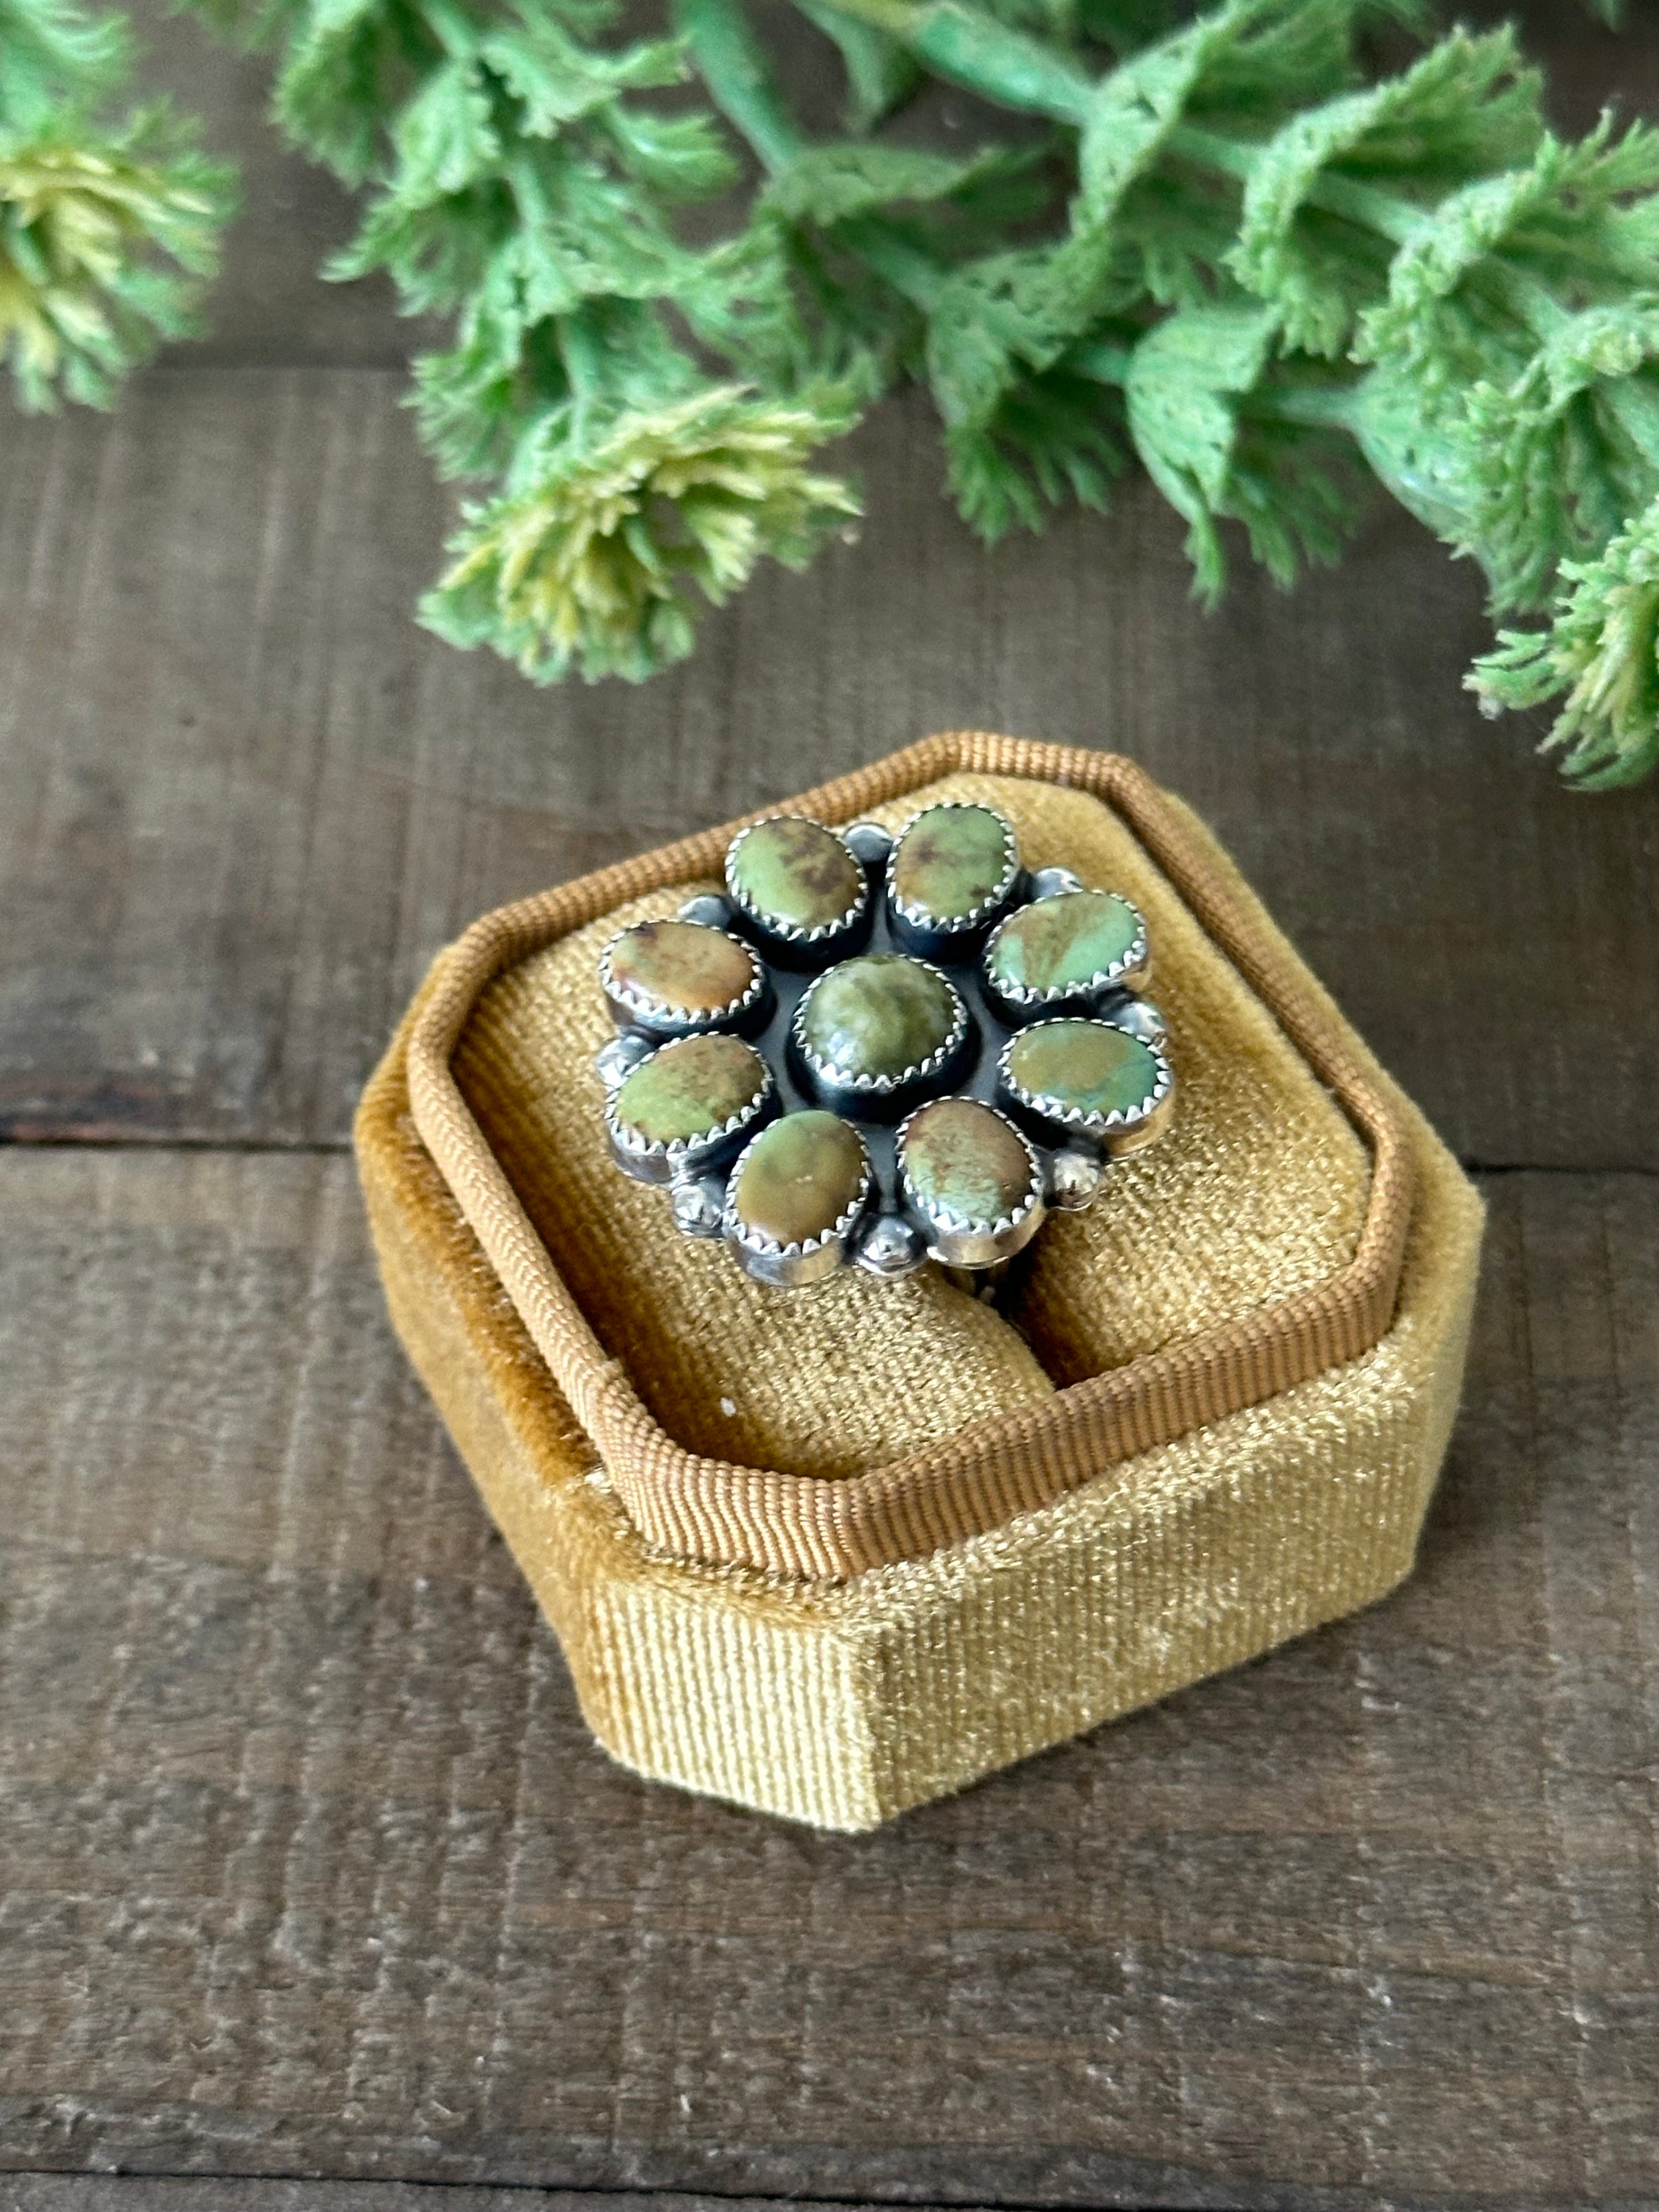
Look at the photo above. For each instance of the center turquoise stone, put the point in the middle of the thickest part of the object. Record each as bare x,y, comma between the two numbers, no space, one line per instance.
1088,1067
960,1156
795,872
798,1178
949,861
687,1091
1064,944
880,1015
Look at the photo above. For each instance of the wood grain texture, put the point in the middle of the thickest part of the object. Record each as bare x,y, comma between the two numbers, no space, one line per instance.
308,1866
269,305
133,2192
247,798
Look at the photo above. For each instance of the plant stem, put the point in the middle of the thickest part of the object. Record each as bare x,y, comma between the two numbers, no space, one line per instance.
1105,363
981,56
583,354
910,272
452,28
1316,406
734,70
1367,205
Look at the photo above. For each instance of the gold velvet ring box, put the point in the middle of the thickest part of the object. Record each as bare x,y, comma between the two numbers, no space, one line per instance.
833,1552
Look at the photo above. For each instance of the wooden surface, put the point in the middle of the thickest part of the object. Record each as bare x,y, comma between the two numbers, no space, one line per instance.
307,1866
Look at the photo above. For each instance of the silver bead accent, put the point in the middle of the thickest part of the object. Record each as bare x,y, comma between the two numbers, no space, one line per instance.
1049,882
870,843
1075,1180
616,1060
891,1248
699,1204
1141,1018
709,908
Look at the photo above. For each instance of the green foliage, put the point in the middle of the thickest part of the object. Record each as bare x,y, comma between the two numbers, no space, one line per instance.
591,556
108,229
1202,234
1602,651
1467,107
1203,426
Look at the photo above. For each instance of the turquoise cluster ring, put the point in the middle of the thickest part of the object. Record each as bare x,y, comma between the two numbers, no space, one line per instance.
881,1049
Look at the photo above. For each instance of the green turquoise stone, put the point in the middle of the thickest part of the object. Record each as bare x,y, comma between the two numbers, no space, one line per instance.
683,965
689,1090
879,1015
949,861
961,1157
798,1178
795,871
1089,1066
1063,943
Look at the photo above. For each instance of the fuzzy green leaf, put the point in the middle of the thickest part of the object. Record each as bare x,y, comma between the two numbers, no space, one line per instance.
1465,108
1552,468
105,250
880,74
1601,653
1053,437
1189,384
596,557
1578,217
54,58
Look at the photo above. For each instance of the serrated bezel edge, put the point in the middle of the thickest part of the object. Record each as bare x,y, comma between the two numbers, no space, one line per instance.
1073,1117
956,924
649,1009
880,1086
681,1148
791,933
1103,979
764,1246
955,1225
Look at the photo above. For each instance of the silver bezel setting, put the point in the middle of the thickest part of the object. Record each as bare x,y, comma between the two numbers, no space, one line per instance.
823,934
649,1161
1117,1132
959,1240
629,1005
1021,1000
835,1080
886,1227
964,925
793,1265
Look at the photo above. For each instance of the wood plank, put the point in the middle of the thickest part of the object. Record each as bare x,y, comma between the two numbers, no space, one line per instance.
247,798
307,1865
269,305
137,2192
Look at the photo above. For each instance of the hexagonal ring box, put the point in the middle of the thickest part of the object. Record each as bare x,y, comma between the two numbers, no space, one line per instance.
833,1552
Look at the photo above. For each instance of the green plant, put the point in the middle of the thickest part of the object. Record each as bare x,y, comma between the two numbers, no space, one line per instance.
108,225
1213,240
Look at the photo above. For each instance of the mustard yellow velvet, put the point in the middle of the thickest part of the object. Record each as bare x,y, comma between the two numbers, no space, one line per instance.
841,1704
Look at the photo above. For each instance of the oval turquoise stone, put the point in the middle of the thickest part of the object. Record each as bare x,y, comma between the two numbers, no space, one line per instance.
880,1015
794,872
683,966
960,1156
798,1178
689,1091
1064,944
949,861
1088,1067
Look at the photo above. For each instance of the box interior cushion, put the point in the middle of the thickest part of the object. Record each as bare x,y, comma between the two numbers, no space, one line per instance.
825,1381
1259,1190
